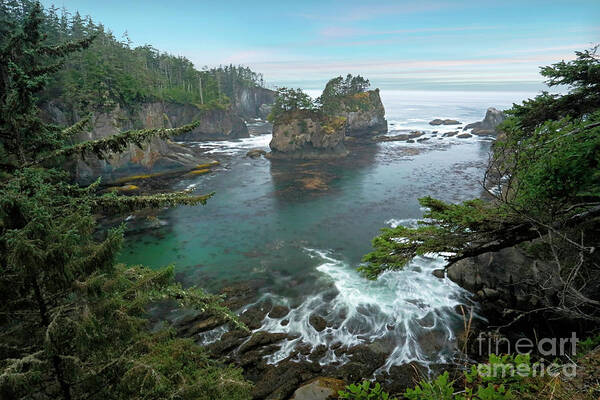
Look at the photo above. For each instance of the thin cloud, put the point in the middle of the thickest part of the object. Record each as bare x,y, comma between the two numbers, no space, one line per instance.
363,13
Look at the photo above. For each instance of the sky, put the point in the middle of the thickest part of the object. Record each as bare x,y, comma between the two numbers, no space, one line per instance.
417,45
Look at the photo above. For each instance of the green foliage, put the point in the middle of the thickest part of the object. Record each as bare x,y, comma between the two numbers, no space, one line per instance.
504,377
339,90
587,345
440,389
73,324
112,72
364,391
289,100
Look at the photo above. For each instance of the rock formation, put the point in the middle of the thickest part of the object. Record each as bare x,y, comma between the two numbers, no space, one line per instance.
158,155
438,121
253,102
305,134
364,113
487,127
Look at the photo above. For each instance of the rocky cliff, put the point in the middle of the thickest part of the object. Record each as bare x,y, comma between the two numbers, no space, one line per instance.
488,126
158,155
254,102
364,113
305,134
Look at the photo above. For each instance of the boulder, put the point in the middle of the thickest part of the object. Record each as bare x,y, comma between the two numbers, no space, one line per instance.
319,389
306,134
464,136
255,153
487,127
505,279
317,322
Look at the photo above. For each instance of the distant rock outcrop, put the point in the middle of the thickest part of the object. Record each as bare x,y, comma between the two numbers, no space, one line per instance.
488,126
305,134
364,113
438,121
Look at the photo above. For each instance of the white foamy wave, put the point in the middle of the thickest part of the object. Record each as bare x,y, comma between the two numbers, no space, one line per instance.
408,222
410,312
234,146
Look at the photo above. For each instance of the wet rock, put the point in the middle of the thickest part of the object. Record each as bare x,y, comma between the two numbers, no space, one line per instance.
254,315
464,136
228,342
402,377
364,360
438,121
255,153
196,324
317,322
439,273
278,311
319,389
261,338
422,140
281,381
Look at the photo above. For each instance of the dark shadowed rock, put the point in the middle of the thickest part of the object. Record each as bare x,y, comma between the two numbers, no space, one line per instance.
317,322
279,311
464,136
488,126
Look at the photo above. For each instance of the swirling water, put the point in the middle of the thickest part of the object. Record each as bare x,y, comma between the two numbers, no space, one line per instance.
301,228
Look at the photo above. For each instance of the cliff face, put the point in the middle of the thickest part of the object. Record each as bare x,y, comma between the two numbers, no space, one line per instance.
158,155
364,113
307,134
253,102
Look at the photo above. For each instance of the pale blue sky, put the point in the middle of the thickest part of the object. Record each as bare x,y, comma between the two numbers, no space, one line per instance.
397,44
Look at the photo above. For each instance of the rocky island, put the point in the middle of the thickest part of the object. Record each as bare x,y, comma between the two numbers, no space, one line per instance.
306,129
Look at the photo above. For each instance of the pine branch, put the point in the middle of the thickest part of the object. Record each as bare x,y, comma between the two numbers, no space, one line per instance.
115,143
114,203
76,128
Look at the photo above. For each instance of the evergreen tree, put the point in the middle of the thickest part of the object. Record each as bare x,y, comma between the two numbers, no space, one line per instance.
73,323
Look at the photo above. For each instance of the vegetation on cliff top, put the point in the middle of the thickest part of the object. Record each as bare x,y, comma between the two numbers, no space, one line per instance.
111,71
73,324
544,178
339,95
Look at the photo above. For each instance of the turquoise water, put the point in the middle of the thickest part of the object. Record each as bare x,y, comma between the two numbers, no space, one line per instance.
301,229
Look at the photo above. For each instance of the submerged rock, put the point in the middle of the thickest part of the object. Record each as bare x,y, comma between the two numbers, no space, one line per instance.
487,127
305,134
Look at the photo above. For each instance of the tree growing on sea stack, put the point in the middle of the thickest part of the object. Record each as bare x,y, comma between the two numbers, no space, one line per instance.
338,88
73,324
287,99
544,181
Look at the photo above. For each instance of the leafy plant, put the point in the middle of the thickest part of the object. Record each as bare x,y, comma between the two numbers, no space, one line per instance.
439,389
364,391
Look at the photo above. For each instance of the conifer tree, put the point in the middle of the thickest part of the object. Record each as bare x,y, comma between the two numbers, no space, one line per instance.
73,323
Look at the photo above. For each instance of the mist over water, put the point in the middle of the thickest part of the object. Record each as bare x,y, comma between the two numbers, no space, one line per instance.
301,228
